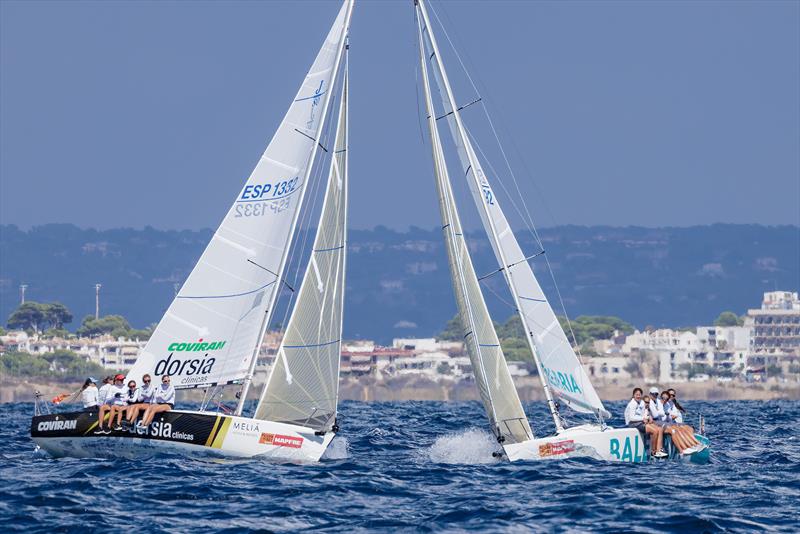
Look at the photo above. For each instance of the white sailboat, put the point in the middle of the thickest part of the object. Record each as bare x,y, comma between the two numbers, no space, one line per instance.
560,370
211,334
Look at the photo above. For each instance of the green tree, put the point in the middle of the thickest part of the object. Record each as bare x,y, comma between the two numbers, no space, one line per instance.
28,316
60,364
452,330
728,318
116,325
57,315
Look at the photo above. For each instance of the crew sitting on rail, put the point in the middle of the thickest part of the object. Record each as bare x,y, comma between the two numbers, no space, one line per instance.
113,399
102,392
682,434
637,416
163,401
89,394
129,398
146,393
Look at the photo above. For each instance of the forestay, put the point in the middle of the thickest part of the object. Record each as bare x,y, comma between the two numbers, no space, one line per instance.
492,376
303,385
557,361
210,332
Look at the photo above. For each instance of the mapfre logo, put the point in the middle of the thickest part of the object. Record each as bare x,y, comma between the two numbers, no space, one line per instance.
279,440
49,426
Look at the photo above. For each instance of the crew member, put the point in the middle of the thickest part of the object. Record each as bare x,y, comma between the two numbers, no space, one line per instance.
89,394
163,401
146,393
102,393
637,416
113,398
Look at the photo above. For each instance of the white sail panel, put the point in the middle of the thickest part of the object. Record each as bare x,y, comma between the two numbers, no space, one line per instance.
210,331
304,383
495,385
562,370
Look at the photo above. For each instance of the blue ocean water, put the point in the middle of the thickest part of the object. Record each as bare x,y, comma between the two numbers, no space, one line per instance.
419,466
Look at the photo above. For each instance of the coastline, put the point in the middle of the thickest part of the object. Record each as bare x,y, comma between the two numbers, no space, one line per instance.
420,389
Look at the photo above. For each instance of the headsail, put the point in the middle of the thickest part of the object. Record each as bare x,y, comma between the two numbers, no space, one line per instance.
211,331
304,383
559,367
496,387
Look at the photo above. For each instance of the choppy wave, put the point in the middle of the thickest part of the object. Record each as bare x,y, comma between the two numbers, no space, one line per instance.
471,446
419,466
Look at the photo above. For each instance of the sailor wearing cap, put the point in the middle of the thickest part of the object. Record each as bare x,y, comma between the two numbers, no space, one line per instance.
89,394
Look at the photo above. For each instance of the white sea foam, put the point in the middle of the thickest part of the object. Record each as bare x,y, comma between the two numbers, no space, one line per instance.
339,449
471,446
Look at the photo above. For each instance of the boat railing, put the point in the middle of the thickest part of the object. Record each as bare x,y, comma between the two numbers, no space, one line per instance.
41,406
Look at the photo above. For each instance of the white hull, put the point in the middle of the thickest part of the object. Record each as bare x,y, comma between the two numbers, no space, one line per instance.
191,433
592,441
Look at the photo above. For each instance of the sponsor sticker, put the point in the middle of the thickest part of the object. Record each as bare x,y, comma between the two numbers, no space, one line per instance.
556,448
50,426
279,440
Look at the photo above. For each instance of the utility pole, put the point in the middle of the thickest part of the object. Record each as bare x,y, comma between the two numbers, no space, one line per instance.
22,288
97,300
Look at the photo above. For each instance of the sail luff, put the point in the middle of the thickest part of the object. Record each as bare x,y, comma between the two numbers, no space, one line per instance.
302,387
449,224
348,6
456,117
492,376
345,184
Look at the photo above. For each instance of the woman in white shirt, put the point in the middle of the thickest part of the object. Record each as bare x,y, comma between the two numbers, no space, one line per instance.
637,416
146,393
163,401
682,434
89,394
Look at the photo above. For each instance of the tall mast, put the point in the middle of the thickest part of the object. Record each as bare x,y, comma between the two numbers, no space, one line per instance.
473,164
448,214
274,296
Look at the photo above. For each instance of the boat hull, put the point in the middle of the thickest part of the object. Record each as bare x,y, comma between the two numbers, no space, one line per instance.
183,432
602,443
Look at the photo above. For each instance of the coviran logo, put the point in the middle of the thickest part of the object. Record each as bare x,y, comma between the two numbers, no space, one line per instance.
48,426
279,440
188,367
198,346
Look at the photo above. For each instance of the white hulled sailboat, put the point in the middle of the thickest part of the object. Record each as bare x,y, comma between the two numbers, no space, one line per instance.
561,373
211,334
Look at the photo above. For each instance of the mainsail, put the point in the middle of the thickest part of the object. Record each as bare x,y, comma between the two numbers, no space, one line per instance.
559,368
304,383
492,376
211,331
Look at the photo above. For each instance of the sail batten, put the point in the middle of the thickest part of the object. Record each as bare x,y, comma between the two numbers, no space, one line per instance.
228,298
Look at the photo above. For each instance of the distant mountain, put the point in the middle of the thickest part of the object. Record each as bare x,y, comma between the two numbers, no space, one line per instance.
398,283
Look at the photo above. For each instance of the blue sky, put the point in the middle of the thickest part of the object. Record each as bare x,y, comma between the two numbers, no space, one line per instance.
645,113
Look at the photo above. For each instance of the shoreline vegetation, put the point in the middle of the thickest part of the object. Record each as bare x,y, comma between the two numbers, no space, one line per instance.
63,371
366,389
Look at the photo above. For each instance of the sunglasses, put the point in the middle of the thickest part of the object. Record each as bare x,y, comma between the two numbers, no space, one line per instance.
146,381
